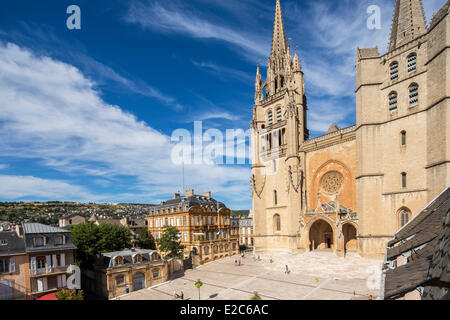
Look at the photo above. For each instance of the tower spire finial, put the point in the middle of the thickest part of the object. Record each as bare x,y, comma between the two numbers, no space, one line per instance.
408,23
279,40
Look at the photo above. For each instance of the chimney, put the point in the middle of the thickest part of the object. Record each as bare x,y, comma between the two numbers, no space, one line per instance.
190,193
207,194
176,196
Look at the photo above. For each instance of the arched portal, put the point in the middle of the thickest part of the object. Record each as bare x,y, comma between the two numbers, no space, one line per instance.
350,243
138,281
321,235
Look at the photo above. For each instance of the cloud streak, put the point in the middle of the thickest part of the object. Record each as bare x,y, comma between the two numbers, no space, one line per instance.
51,112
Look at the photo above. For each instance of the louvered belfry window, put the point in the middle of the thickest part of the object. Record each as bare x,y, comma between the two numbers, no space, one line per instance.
393,102
412,63
279,117
394,71
413,95
270,118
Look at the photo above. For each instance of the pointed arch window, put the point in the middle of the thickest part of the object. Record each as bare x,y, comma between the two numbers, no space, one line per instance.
413,95
277,223
279,115
270,118
394,70
404,217
412,62
393,102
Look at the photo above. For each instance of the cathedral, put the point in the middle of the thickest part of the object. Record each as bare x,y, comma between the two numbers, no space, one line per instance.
353,188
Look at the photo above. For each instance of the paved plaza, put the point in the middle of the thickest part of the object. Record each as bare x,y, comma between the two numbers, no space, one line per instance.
313,276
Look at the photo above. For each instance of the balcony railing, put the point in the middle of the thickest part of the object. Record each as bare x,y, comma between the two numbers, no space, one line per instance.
48,270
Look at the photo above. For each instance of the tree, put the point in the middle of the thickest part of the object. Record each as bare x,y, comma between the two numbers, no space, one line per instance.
112,237
91,239
85,237
146,240
170,242
66,294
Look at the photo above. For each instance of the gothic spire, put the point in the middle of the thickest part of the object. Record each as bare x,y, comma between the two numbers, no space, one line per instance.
279,40
408,24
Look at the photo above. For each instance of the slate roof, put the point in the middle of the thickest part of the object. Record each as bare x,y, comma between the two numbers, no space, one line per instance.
30,230
35,228
427,236
15,244
127,255
194,201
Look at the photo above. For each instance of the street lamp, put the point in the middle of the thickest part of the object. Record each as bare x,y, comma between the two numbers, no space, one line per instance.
198,284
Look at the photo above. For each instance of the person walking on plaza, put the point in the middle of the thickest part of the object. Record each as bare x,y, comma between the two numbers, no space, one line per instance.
239,263
270,259
287,270
182,295
235,262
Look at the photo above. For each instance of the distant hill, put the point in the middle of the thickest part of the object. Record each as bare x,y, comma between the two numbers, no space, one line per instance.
240,213
50,212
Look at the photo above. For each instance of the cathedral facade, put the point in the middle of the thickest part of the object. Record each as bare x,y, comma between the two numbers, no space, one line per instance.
353,188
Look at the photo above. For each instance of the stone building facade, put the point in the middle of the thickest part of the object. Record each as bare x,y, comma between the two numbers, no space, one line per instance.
352,188
118,273
203,222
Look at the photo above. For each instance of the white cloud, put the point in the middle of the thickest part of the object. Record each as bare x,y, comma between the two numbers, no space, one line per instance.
42,39
174,18
50,111
19,187
223,72
3,166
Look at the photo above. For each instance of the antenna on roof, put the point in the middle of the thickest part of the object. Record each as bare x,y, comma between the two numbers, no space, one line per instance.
183,174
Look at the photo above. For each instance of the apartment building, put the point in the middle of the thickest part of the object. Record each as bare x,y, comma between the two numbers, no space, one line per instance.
203,222
50,252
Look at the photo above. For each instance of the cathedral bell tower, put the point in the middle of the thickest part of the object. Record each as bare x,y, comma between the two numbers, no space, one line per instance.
278,130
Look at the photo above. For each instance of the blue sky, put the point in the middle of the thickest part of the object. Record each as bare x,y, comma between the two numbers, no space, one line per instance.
87,115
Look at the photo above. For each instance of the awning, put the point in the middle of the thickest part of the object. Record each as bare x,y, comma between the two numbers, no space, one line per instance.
50,296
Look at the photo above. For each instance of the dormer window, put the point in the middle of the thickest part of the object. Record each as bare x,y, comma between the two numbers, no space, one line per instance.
59,240
393,102
39,242
412,62
394,70
118,261
138,258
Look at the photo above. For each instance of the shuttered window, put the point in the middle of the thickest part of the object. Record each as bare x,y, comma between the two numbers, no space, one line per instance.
279,116
412,62
413,95
394,71
393,102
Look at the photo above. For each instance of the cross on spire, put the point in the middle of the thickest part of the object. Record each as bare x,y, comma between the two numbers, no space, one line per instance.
279,40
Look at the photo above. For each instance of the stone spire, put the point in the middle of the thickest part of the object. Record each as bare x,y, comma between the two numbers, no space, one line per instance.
409,23
258,86
279,40
297,66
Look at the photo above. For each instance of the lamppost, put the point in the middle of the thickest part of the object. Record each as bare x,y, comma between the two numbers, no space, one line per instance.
256,297
198,284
